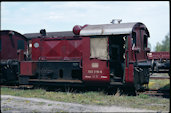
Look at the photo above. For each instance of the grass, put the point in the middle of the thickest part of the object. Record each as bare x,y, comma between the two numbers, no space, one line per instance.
99,98
159,84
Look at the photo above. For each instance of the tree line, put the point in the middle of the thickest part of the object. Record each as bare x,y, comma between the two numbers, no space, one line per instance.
164,45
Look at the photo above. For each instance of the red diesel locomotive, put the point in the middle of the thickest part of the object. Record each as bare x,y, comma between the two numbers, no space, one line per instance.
13,48
104,55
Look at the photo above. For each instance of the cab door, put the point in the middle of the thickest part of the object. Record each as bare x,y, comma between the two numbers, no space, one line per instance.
95,57
129,55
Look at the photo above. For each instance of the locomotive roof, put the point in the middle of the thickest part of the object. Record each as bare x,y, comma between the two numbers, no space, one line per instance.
15,33
110,29
50,34
91,30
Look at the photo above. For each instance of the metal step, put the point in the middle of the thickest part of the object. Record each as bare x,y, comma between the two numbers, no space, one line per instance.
116,83
117,79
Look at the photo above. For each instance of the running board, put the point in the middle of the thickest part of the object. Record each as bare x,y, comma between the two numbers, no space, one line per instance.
45,80
62,82
116,83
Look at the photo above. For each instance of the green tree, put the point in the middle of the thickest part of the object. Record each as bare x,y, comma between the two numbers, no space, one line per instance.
164,45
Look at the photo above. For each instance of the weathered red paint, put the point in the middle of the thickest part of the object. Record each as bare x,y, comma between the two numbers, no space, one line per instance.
35,51
101,73
132,56
159,55
126,74
27,68
55,49
129,59
20,55
131,73
75,49
9,46
70,48
142,55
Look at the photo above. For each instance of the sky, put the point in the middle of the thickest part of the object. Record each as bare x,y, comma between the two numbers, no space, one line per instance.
30,17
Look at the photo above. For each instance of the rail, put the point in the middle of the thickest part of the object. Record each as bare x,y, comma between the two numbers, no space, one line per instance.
157,92
153,77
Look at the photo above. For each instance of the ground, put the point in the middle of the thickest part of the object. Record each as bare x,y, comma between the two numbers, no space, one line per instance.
40,100
21,104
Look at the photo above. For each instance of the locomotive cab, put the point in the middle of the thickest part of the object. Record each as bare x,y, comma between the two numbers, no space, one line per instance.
122,58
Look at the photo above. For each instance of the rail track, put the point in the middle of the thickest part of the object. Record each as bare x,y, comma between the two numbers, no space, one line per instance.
150,92
153,77
157,92
17,86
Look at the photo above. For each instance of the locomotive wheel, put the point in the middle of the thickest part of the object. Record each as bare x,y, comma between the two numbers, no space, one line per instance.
111,91
128,91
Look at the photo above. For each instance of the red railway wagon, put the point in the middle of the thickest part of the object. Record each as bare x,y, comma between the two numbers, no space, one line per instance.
158,55
95,55
160,61
13,48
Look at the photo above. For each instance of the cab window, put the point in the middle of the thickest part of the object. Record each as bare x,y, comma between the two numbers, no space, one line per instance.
134,38
145,41
99,48
20,44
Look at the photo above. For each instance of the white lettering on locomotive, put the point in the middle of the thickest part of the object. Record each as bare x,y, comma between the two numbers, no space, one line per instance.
87,76
103,76
95,71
